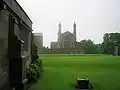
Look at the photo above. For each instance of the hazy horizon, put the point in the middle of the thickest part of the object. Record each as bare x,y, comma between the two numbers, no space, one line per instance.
93,17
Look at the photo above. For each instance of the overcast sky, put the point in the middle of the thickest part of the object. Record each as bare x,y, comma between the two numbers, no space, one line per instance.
93,17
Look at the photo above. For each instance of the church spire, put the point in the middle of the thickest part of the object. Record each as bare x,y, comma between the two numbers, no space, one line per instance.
59,35
59,28
74,30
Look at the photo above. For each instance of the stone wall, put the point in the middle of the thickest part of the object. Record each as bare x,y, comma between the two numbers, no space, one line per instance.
68,41
22,28
16,8
25,35
4,63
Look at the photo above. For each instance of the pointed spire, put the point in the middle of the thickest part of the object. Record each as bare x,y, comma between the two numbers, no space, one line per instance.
59,24
74,29
59,28
59,35
74,24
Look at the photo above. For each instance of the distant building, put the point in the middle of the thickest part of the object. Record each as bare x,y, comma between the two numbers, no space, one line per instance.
38,39
53,45
67,41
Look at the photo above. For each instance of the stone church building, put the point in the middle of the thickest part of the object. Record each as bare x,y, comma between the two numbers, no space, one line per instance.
67,40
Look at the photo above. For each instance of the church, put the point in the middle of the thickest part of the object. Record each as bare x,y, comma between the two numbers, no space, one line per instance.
67,40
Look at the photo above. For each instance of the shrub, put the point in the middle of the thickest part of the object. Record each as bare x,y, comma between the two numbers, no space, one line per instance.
33,71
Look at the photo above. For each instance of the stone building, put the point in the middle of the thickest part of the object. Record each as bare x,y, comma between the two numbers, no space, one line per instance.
66,39
66,42
15,25
54,45
38,40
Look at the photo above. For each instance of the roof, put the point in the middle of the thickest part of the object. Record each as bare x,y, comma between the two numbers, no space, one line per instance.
67,33
19,11
38,34
54,42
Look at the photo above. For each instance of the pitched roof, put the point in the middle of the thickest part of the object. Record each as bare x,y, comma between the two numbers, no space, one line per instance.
67,33
18,10
37,34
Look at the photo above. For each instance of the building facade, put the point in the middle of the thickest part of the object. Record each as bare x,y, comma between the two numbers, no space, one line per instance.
38,40
66,40
15,26
53,45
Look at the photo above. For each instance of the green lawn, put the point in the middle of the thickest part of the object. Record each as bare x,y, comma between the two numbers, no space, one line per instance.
61,71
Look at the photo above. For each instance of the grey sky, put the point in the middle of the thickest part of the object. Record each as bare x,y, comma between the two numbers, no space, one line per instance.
93,17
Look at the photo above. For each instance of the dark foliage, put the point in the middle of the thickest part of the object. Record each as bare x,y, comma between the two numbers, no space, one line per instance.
110,41
33,71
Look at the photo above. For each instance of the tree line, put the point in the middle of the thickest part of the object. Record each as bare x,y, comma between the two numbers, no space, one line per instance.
108,46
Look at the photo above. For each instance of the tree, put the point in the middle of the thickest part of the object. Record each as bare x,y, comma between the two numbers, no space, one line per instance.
100,49
110,41
89,46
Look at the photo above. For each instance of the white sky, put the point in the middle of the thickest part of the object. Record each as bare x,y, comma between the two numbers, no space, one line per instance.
93,17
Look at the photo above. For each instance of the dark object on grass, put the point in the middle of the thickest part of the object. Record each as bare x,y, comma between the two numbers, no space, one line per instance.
83,83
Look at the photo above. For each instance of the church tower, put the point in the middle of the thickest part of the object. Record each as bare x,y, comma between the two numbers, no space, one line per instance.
74,30
59,29
59,35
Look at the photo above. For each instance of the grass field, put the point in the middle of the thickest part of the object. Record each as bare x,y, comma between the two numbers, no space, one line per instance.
61,71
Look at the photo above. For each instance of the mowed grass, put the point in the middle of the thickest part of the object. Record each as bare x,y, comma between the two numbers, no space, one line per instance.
61,71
